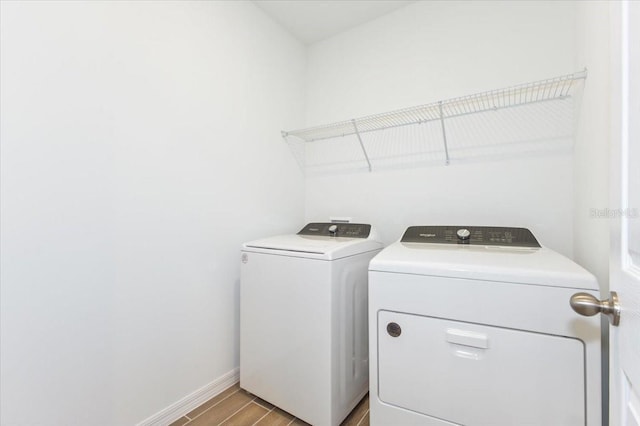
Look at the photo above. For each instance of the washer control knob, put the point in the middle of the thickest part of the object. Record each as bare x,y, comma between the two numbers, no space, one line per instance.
463,234
333,229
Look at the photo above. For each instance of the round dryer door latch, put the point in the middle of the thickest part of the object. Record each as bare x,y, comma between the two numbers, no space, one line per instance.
394,329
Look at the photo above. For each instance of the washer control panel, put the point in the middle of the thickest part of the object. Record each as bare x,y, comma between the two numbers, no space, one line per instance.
470,235
348,230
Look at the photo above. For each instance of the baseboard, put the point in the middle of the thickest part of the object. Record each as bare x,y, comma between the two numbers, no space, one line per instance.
193,400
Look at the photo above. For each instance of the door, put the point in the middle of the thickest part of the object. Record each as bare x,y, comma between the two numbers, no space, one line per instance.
625,201
473,374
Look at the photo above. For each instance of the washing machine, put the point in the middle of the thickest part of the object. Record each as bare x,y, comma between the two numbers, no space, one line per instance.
303,319
472,326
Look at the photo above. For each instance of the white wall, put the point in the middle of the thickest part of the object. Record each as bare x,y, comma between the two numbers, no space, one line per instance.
425,52
140,147
591,152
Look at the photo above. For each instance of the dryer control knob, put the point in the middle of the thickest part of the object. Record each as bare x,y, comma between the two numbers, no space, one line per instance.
333,229
463,234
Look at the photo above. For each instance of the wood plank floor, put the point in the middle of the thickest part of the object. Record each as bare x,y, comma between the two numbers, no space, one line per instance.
234,406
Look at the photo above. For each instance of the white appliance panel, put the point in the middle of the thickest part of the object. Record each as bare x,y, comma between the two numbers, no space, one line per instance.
535,266
312,246
434,364
526,307
304,339
286,343
350,331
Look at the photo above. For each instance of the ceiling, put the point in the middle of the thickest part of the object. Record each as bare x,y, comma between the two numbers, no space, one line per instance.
314,20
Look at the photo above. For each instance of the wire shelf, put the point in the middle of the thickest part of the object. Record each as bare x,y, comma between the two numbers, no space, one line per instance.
542,108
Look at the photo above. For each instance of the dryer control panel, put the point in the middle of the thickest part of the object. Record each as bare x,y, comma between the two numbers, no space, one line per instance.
348,230
471,235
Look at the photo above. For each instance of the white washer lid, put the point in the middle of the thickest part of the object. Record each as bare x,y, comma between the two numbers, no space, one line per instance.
537,266
311,246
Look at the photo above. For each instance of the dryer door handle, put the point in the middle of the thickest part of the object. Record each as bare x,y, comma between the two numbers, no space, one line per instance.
588,305
467,338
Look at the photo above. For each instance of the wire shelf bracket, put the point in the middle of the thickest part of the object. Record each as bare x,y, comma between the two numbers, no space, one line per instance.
444,135
364,151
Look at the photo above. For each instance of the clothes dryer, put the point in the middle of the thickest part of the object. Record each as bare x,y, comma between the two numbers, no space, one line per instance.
472,326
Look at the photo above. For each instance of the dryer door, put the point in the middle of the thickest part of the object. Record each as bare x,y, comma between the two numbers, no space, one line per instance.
479,375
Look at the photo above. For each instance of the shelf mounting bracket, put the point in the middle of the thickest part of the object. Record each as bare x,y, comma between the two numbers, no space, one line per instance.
444,134
364,151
